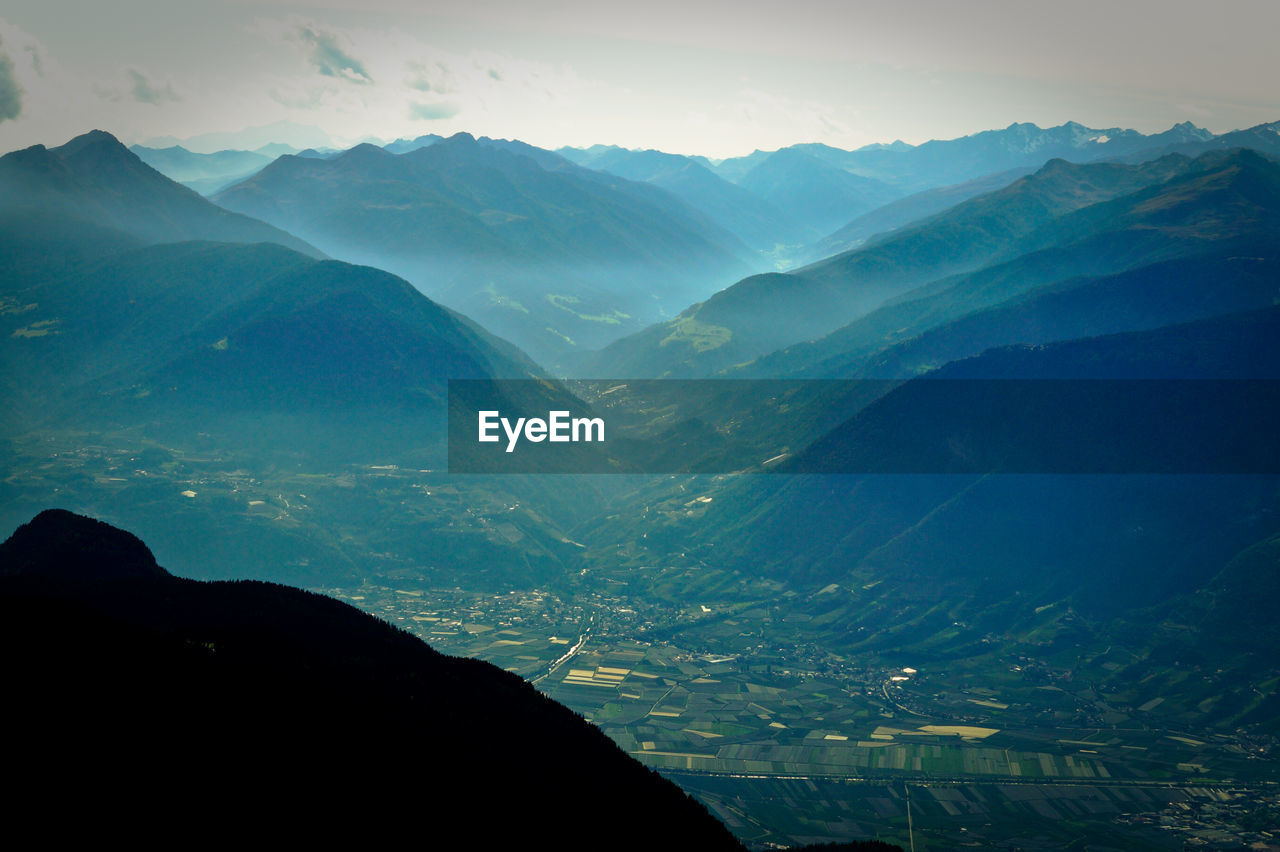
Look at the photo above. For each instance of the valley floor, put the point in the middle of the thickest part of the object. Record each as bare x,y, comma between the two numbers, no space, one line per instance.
789,744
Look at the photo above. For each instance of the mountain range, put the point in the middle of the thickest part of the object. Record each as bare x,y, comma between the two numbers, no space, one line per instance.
545,253
239,389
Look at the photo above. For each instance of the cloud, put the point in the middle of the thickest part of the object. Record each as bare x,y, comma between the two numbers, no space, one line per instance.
329,58
433,112
146,92
10,90
434,76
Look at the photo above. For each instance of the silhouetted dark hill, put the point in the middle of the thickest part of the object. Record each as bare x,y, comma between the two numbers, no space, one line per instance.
95,179
236,708
545,253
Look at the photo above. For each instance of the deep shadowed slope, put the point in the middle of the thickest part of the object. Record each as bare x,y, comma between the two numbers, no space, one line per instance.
250,707
1104,542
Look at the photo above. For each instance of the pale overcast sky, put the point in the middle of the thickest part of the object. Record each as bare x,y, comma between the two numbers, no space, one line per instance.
714,78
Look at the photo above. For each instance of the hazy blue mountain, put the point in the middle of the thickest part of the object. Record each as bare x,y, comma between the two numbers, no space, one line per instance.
907,211
753,220
1264,138
268,139
768,312
947,162
238,704
819,196
205,173
403,146
732,169
275,149
218,365
551,259
1225,205
95,179
220,334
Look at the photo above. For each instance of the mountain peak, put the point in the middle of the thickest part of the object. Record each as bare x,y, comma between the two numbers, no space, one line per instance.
57,544
93,140
364,151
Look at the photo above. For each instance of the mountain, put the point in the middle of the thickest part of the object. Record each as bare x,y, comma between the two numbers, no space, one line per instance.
251,707
1221,205
205,173
769,312
1264,138
93,178
747,216
404,146
1164,293
221,334
947,162
269,139
551,258
819,196
907,211
192,388
1107,544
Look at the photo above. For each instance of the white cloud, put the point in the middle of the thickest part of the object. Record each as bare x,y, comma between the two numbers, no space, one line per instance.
10,88
433,112
144,91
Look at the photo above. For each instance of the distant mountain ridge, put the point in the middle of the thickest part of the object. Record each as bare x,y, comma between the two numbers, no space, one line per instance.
551,258
205,173
766,313
95,178
945,162
1222,207
750,217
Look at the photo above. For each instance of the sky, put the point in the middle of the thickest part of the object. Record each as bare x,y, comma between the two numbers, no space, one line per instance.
714,78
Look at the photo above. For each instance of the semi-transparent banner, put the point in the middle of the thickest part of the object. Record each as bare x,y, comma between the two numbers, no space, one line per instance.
1075,426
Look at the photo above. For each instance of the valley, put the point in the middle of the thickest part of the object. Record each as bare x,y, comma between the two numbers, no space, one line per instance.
925,625
732,698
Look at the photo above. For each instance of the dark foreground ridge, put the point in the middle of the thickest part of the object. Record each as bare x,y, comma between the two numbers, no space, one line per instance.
147,704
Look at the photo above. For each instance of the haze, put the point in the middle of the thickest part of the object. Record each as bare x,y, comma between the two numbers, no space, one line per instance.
718,79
